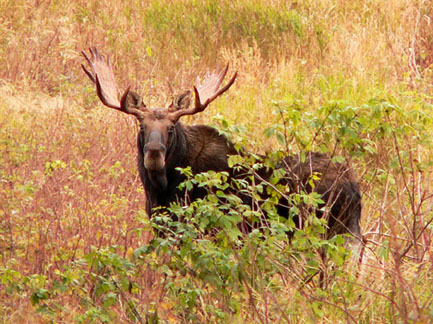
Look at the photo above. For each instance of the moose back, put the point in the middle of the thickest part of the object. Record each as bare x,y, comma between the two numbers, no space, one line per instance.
165,144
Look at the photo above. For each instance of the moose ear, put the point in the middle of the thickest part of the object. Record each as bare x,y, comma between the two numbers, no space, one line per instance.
134,100
182,101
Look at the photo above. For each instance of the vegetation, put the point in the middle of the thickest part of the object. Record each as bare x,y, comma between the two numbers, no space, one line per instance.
345,77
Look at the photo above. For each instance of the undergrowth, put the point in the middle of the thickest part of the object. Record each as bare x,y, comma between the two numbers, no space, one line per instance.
345,78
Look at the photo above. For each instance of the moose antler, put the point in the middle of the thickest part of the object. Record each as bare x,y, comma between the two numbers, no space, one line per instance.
108,91
206,92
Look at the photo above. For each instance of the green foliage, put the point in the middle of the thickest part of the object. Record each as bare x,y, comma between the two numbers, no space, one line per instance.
207,257
346,78
203,254
255,22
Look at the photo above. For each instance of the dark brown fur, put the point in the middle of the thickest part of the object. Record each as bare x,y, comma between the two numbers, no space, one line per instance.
165,144
203,148
200,147
338,188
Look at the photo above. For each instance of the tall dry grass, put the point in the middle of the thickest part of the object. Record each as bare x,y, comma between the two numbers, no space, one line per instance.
68,178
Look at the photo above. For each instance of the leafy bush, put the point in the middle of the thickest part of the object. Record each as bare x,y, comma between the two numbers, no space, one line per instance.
351,79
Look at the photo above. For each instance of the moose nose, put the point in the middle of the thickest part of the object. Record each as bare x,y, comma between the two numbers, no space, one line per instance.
154,152
154,149
154,156
154,143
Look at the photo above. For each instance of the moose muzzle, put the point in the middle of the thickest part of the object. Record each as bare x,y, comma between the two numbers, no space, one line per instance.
154,152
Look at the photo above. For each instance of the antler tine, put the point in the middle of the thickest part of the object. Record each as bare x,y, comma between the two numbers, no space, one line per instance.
89,74
106,87
207,91
102,75
210,84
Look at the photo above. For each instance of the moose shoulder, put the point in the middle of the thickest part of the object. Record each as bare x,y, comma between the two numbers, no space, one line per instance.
165,144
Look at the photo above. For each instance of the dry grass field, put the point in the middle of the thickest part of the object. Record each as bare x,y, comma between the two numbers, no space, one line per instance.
354,78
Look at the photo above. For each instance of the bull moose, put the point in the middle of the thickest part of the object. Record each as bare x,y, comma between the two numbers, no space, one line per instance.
164,144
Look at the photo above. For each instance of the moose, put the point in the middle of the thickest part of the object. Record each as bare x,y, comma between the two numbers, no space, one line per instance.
164,144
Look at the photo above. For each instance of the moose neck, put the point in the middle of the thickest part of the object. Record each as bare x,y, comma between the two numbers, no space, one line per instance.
177,150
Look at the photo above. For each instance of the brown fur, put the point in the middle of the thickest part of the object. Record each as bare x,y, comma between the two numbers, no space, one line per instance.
337,185
164,144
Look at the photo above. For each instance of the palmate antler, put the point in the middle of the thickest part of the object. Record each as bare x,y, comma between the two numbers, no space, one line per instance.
108,91
206,92
102,75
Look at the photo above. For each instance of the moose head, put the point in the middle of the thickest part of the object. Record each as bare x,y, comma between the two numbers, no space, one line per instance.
162,139
158,125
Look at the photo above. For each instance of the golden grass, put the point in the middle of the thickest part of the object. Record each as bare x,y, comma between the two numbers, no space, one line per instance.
68,175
